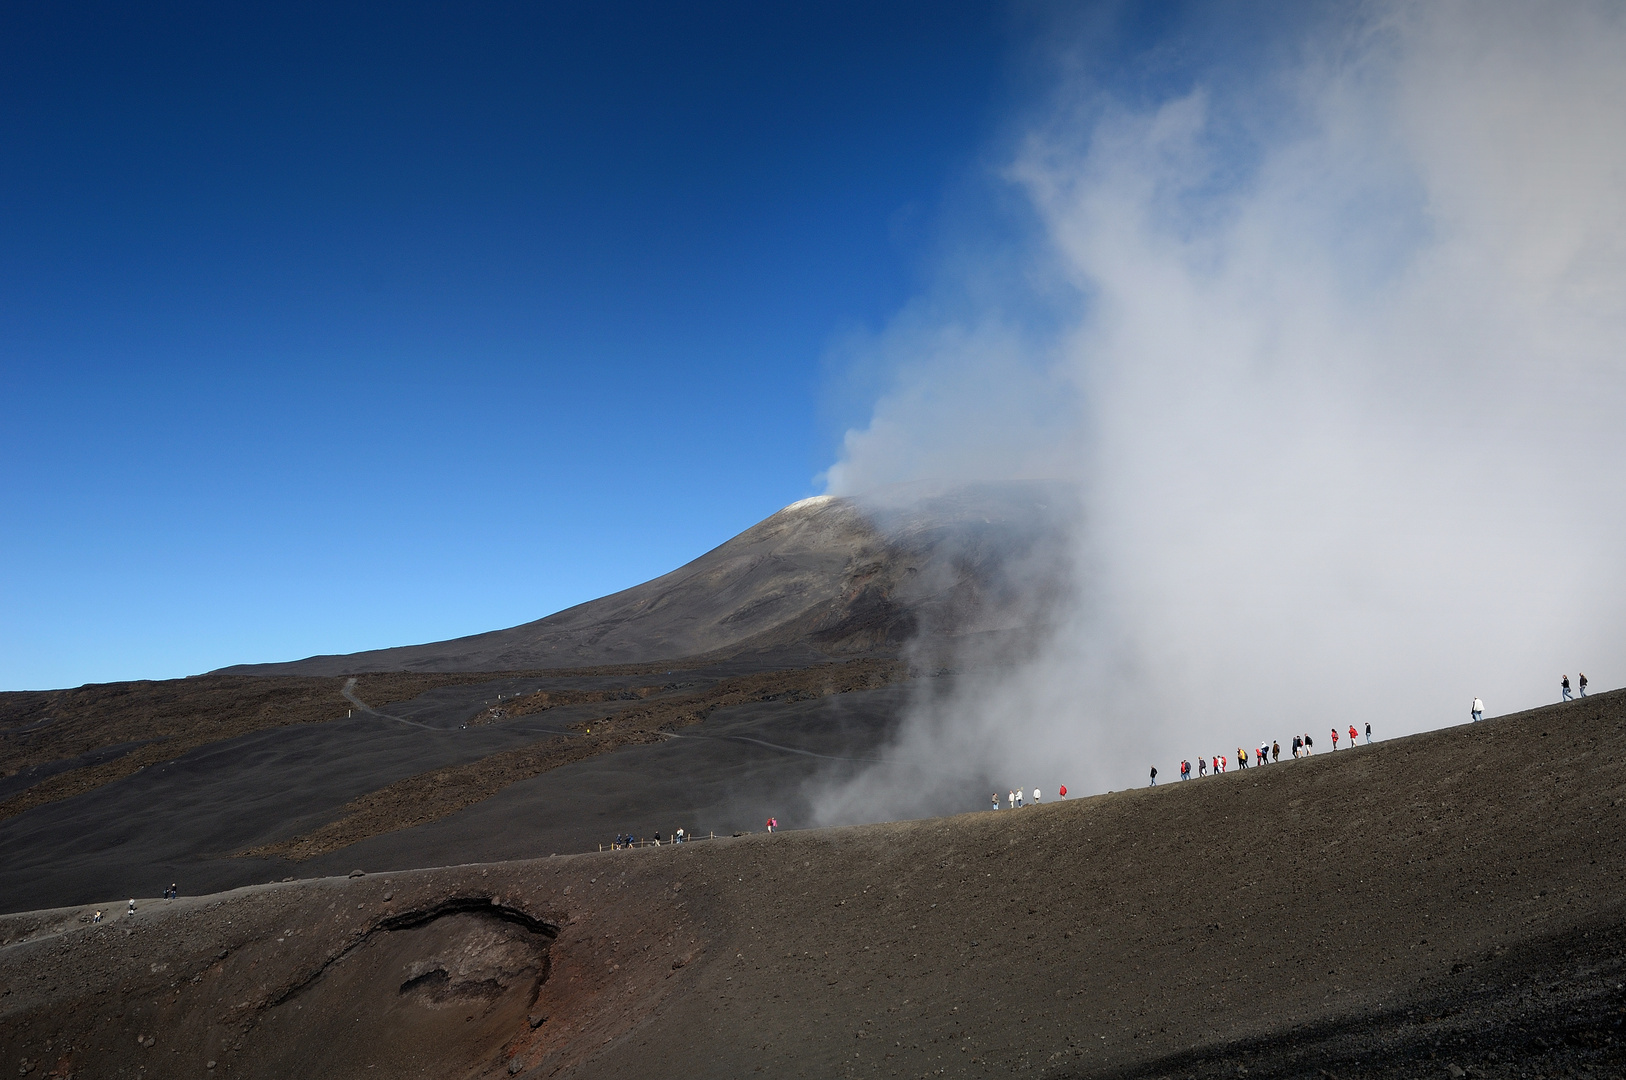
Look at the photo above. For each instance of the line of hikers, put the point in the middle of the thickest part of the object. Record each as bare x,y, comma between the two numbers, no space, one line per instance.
1015,799
631,841
1263,753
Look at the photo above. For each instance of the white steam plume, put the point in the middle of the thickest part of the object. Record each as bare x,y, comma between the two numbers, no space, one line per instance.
1348,401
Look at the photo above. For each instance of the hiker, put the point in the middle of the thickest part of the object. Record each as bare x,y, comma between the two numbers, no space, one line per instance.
1241,758
1298,744
996,800
1369,733
1219,763
1063,791
174,891
1185,769
1154,776
1309,745
132,907
1566,688
1010,799
771,823
1019,798
96,917
1275,751
1353,734
1202,767
678,839
1335,739
1035,796
1581,682
1262,754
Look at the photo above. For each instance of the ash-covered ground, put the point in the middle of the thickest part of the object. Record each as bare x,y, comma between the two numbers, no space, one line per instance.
1450,904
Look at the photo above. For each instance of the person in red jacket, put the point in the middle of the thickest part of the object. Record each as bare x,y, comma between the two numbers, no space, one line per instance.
1353,734
1335,738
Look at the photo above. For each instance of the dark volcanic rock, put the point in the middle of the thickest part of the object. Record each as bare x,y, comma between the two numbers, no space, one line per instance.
1441,904
825,576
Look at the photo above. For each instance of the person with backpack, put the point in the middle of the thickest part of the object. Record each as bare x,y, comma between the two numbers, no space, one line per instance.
1298,744
1275,751
1202,767
1241,758
1185,769
1335,739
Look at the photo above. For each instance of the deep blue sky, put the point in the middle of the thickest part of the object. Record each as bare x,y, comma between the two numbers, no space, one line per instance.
329,328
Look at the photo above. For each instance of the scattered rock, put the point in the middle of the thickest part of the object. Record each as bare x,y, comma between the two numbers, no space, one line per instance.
514,1066
358,873
538,1021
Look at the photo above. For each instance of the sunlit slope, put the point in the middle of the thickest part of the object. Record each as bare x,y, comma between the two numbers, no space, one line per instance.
1450,900
826,576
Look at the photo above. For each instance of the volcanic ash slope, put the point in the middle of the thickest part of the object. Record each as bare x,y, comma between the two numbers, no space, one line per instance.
822,577
1450,904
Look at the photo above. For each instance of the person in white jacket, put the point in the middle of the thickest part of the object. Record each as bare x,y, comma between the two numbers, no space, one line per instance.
1478,709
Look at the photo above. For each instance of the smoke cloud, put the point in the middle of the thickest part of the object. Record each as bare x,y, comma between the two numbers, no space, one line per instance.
1340,383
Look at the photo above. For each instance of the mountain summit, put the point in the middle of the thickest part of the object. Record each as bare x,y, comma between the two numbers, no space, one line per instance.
831,576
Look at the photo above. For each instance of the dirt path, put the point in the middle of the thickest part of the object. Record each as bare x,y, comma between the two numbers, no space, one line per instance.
348,690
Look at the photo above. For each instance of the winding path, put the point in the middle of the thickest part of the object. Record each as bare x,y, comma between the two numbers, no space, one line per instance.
349,692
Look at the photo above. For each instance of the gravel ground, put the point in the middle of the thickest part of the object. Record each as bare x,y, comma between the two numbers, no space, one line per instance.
1450,904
